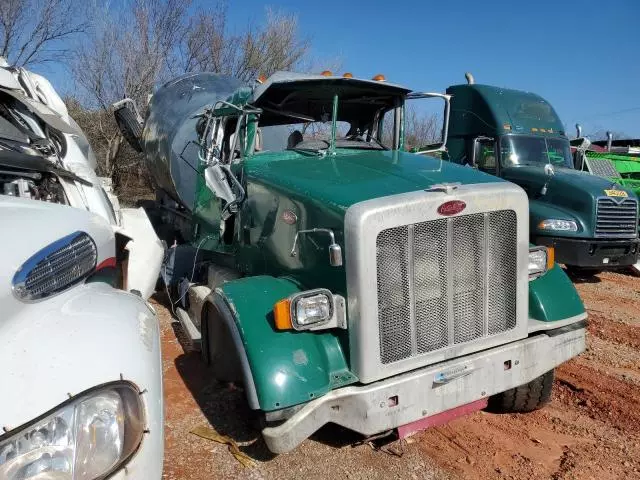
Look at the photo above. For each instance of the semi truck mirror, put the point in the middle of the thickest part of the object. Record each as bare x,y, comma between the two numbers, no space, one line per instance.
440,146
335,255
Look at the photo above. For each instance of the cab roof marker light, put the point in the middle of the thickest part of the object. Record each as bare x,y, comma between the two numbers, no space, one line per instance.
347,75
379,78
327,73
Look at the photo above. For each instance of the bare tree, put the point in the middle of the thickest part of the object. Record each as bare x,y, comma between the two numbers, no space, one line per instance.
421,129
125,55
37,31
260,50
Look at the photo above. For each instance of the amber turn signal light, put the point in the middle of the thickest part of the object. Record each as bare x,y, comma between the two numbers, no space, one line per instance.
551,257
282,314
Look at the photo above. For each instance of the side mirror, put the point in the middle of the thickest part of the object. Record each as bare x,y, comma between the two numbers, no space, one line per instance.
335,255
439,146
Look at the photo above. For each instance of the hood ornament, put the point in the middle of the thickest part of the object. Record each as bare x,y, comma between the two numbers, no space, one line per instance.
447,188
549,172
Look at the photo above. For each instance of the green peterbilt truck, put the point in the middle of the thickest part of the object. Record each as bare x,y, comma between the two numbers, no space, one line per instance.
337,277
591,222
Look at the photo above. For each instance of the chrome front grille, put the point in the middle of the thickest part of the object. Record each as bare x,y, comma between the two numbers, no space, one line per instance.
445,282
56,267
617,218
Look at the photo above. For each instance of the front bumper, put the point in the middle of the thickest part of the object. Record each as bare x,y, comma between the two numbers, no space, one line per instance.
592,253
399,400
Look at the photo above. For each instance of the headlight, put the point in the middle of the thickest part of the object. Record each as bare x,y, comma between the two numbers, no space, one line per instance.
540,260
87,438
558,225
310,310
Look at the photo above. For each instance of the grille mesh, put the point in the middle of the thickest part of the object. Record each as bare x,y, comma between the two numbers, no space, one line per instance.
60,268
445,282
617,219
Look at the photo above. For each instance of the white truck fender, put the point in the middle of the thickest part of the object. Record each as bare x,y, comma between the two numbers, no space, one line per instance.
146,252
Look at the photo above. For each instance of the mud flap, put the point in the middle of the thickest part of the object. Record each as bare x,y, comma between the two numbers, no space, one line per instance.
145,251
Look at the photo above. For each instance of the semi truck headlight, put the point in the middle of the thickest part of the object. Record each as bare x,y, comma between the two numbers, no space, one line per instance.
89,437
310,310
558,225
540,260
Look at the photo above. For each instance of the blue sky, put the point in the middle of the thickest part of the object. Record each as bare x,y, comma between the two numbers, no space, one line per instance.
583,57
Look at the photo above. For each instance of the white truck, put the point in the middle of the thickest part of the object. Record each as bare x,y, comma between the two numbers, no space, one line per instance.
46,156
81,395
81,366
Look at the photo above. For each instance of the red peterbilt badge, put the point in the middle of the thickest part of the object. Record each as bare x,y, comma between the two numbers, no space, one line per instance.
451,207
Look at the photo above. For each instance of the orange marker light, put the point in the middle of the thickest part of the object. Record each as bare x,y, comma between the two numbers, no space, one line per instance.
551,257
262,79
379,78
282,314
347,75
327,73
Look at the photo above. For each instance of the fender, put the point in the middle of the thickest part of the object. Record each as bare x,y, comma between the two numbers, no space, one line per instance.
146,252
553,297
539,210
282,368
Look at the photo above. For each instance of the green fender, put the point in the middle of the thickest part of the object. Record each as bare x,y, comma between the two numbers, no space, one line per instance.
553,297
287,367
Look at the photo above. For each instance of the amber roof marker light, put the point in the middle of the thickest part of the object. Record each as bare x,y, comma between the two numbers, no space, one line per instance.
327,73
379,78
347,75
261,79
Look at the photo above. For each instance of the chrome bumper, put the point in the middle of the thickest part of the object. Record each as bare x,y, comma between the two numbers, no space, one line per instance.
399,400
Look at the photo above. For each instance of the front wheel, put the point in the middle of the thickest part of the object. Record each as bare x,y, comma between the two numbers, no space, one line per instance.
218,348
525,398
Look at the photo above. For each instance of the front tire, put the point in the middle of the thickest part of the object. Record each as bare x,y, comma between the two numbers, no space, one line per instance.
525,398
218,348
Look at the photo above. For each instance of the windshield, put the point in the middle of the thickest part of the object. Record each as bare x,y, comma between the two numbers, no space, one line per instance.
300,116
524,150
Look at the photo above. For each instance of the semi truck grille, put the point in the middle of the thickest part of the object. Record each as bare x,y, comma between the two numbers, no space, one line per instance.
617,219
445,282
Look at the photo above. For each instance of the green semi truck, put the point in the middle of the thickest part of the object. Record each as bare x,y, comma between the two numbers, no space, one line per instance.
591,222
337,277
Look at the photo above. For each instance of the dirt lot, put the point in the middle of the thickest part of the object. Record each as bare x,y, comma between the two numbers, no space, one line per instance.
591,429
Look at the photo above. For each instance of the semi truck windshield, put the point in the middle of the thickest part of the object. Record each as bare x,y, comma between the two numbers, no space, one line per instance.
526,150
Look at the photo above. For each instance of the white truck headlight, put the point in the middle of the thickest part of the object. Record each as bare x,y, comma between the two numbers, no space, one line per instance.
558,225
540,260
310,310
89,437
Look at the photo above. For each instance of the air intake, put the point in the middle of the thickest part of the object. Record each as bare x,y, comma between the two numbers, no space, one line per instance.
55,268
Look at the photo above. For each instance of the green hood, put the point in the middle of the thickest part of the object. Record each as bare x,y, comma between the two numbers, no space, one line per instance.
571,195
349,177
566,186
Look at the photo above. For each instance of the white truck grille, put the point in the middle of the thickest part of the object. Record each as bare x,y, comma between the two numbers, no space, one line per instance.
445,282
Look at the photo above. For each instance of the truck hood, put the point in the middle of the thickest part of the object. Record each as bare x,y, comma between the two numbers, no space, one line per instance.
570,188
350,177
